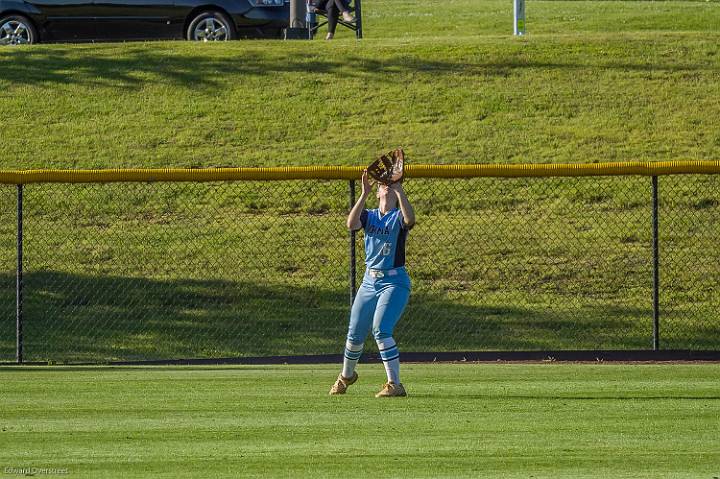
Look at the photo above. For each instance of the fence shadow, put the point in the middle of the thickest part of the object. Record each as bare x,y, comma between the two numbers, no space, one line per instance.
79,317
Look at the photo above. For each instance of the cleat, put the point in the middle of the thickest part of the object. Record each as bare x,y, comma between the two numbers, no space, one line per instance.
390,390
342,384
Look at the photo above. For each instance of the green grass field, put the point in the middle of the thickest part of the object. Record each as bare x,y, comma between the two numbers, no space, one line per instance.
137,271
460,420
131,272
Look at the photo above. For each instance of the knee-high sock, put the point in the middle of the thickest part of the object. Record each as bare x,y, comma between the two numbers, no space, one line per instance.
391,358
352,356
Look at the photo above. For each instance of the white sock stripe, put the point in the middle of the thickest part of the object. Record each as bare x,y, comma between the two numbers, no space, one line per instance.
353,354
353,347
384,344
387,349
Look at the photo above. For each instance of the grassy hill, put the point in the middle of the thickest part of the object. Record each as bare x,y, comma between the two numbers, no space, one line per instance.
134,271
592,81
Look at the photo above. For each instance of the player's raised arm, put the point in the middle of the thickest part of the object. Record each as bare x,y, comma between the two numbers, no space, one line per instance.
405,206
353,220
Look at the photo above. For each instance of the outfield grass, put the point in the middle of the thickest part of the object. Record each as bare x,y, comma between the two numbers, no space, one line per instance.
130,272
460,420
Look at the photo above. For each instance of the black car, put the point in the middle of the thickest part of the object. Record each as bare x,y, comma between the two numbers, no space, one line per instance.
32,21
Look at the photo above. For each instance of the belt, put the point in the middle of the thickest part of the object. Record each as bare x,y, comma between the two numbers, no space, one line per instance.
381,273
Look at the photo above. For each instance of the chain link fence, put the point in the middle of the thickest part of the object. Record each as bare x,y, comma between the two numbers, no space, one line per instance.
690,262
7,272
132,271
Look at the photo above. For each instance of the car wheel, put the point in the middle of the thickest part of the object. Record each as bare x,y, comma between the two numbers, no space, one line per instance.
211,27
17,30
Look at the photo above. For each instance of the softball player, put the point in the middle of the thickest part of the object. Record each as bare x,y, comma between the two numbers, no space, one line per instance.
385,289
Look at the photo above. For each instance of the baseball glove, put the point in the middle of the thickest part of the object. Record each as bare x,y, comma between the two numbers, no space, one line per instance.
389,168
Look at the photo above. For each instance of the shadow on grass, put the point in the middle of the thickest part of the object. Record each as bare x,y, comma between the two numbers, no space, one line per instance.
160,368
138,65
550,397
77,317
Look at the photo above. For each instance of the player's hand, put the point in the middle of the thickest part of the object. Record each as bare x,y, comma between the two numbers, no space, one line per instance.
366,186
396,187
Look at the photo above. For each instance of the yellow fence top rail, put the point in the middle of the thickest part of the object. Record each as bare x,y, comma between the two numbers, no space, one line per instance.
351,172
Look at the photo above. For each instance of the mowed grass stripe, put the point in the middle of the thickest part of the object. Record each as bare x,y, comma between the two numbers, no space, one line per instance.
461,420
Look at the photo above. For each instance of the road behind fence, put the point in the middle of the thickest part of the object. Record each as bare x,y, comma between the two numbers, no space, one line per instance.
161,264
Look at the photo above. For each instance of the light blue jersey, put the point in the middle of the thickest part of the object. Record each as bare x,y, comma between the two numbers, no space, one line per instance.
385,237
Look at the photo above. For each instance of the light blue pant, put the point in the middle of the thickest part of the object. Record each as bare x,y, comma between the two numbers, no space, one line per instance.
379,303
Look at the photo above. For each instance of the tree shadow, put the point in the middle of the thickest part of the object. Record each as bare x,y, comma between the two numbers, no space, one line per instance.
139,65
94,318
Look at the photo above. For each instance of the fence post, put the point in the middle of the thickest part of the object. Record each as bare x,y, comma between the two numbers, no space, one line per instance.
358,18
656,266
19,280
352,247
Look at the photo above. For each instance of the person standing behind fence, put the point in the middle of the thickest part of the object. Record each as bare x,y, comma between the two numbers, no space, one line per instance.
385,288
334,8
